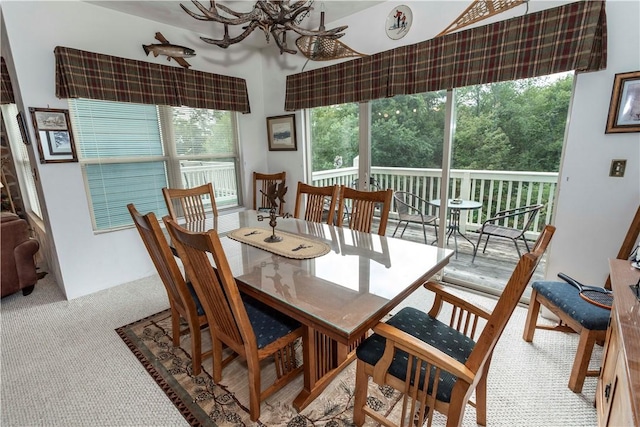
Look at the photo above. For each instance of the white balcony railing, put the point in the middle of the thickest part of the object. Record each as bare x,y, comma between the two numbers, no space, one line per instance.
496,190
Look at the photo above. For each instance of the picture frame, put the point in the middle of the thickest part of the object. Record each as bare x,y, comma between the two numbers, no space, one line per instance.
281,131
624,109
53,134
23,128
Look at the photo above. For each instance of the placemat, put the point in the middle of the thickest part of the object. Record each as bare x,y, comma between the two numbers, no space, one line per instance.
291,245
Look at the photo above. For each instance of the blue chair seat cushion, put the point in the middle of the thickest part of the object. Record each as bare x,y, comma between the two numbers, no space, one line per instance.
432,332
196,300
268,323
567,298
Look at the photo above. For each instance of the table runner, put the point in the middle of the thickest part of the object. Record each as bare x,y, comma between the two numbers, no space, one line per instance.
291,246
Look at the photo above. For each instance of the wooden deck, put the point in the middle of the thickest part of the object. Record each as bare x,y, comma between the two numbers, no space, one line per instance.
489,272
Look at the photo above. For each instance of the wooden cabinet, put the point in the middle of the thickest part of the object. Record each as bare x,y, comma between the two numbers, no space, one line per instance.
618,390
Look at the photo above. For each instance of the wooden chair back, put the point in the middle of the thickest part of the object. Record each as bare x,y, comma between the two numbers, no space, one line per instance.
181,301
262,182
218,292
320,202
362,209
191,201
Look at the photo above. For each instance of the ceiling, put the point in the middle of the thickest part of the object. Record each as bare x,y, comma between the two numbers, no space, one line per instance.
170,13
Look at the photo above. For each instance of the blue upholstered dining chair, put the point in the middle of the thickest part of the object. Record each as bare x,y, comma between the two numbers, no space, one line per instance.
250,328
438,359
575,315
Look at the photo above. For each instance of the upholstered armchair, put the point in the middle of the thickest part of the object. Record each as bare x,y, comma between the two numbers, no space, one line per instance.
18,250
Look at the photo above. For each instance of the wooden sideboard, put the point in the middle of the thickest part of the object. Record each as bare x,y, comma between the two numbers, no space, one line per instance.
618,390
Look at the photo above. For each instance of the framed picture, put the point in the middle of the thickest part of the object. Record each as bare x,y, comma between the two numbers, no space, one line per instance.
282,133
624,110
23,128
54,136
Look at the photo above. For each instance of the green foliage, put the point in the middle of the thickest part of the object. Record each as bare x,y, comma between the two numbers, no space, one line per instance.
515,125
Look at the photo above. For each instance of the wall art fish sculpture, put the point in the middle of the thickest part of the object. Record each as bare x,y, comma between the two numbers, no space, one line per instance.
178,53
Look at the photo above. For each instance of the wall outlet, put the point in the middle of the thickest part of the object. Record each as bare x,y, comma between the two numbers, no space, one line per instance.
617,168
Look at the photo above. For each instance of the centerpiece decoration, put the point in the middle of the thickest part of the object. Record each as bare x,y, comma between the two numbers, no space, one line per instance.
275,194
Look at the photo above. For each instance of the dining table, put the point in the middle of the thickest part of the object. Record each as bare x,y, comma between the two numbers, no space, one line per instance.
337,296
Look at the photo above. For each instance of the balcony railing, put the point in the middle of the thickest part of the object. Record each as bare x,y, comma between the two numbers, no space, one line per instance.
496,190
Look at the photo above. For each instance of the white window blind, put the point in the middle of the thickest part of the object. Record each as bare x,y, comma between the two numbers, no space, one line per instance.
122,157
129,152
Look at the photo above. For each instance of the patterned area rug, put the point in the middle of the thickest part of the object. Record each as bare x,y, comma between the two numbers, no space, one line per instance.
205,403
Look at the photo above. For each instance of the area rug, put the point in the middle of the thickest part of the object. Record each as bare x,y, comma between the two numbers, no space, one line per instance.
205,403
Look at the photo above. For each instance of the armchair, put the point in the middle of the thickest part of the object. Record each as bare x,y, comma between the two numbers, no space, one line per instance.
437,363
505,224
18,251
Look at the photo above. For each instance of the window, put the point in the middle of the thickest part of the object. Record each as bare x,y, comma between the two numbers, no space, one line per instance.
21,159
129,152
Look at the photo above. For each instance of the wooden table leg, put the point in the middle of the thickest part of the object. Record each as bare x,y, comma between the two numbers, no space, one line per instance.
323,358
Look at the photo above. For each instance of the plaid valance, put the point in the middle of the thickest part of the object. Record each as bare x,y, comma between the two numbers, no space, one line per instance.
569,37
81,74
6,89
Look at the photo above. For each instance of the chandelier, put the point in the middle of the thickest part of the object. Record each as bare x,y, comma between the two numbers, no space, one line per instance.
273,17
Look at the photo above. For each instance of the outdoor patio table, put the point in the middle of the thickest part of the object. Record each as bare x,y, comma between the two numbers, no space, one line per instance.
455,206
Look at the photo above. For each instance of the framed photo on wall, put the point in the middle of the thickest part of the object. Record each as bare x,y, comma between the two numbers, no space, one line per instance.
281,131
624,110
23,128
54,136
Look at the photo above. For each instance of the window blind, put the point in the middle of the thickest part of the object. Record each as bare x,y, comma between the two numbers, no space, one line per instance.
122,158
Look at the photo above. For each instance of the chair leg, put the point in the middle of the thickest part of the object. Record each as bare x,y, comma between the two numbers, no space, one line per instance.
404,229
581,362
360,398
475,250
424,233
532,317
515,242
394,231
175,325
481,399
196,349
526,245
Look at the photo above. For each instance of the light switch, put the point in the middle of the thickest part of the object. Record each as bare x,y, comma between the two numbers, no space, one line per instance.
617,168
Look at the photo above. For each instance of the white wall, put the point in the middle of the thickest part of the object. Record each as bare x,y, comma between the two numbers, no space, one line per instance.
89,262
593,211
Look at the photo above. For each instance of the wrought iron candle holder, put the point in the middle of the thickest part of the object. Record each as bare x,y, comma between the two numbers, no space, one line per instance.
274,194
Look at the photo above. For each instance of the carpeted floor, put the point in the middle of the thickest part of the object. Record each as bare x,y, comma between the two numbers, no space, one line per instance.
63,364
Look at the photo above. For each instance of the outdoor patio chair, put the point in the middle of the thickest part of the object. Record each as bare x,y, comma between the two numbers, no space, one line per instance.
437,364
193,202
410,209
506,224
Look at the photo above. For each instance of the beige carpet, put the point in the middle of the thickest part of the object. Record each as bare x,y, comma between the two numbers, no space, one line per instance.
524,378
63,364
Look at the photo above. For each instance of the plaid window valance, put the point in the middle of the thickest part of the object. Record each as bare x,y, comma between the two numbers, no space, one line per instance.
81,74
6,90
569,37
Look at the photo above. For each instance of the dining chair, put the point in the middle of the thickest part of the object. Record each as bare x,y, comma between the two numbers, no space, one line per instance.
436,363
183,301
250,328
320,203
411,210
576,315
261,184
509,224
192,202
362,208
